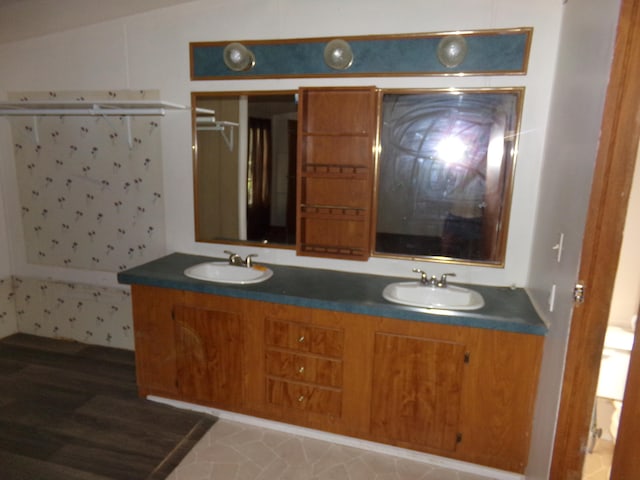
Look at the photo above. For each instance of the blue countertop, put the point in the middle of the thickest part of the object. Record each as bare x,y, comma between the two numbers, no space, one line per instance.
505,308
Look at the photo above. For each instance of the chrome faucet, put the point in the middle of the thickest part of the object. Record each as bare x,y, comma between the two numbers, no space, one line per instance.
248,262
442,283
424,279
433,281
235,259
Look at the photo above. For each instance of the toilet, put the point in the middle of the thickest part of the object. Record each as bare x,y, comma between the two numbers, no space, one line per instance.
613,372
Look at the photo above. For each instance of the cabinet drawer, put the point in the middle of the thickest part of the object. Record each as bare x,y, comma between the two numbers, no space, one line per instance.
304,338
304,397
304,368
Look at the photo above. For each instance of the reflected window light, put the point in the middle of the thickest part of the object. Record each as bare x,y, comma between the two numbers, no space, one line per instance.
451,149
495,152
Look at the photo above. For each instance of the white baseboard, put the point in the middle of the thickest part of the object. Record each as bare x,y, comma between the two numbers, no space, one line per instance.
435,460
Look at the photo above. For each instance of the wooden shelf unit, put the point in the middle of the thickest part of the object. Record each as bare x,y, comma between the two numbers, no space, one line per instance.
337,133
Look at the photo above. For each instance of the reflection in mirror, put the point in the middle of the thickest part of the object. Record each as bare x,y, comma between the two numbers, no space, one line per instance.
244,166
445,173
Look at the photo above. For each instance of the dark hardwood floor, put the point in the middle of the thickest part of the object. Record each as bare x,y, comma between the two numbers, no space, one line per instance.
71,411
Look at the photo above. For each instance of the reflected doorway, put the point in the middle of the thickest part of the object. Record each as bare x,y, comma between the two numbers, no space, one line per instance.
618,343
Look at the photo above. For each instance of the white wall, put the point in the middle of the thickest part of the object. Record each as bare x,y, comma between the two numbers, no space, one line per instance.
584,59
150,51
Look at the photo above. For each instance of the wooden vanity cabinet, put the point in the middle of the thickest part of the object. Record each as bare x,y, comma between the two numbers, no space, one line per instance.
459,392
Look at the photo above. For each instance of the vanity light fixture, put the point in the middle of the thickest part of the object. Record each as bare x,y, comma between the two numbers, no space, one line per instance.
338,54
238,58
452,50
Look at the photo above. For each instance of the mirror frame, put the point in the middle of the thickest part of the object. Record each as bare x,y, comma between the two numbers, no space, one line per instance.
504,218
505,215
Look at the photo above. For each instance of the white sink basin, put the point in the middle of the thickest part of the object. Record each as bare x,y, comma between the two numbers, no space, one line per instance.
223,272
416,294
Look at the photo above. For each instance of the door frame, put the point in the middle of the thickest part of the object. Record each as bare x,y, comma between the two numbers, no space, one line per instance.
615,162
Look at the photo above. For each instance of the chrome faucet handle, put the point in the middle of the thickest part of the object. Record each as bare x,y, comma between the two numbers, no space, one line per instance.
443,279
423,275
234,258
248,262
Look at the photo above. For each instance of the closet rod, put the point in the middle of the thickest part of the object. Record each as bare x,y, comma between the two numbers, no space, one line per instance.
86,112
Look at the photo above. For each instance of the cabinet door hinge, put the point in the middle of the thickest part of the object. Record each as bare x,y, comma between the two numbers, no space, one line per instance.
578,293
467,357
458,437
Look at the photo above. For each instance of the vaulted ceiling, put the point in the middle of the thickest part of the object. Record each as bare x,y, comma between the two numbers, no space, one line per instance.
21,19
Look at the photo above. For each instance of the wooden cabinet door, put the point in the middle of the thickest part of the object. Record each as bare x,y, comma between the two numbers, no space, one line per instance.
416,390
209,352
154,340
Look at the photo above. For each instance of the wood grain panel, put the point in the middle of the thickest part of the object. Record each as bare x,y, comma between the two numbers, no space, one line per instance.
337,155
304,368
304,397
344,111
304,338
416,390
209,355
154,339
335,169
342,192
498,390
499,399
339,235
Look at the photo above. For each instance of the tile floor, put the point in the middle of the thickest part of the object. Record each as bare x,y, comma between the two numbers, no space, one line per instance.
597,464
237,451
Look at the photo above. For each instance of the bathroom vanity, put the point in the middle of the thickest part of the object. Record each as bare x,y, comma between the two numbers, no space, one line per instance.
324,350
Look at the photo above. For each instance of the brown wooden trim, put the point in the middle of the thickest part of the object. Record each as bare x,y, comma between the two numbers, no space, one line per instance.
601,246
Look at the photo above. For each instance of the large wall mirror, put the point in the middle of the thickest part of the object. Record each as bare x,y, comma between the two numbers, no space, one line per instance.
245,164
445,172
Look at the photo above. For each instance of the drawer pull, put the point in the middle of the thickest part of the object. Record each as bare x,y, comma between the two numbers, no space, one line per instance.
301,398
301,339
301,369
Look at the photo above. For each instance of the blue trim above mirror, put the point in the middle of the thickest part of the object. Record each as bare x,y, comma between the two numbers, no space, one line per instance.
492,52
